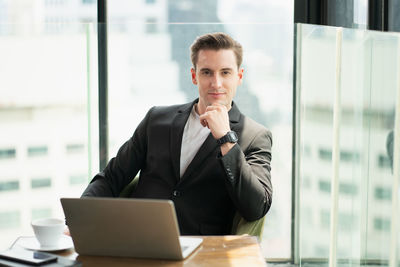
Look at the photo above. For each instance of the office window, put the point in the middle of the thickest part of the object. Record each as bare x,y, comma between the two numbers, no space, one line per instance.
37,151
75,148
324,186
41,182
10,219
41,213
325,219
345,222
3,17
89,1
348,156
7,153
54,2
9,186
306,151
78,179
151,25
348,189
306,181
325,154
321,250
307,216
382,224
345,156
344,188
384,161
383,193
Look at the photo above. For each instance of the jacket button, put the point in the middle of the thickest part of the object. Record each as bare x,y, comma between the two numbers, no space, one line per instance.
176,193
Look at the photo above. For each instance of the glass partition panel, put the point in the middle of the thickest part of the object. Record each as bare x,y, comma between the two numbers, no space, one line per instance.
317,53
365,70
48,111
149,65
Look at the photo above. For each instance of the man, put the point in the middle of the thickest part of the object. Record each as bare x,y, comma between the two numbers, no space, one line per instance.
205,156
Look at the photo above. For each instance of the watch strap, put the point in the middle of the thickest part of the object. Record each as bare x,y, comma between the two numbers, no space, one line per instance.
230,137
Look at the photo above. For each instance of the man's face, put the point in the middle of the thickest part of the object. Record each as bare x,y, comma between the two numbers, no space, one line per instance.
217,77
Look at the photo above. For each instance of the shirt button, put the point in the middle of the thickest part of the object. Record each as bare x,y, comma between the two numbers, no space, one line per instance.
176,193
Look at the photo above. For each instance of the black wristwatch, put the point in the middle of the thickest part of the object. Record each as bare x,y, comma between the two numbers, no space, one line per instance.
230,137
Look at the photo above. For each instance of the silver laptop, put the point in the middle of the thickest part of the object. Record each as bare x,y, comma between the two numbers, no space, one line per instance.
123,227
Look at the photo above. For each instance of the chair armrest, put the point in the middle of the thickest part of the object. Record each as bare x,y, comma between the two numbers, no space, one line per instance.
240,226
127,191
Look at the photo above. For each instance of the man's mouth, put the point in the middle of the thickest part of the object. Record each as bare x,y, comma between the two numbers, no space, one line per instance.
216,93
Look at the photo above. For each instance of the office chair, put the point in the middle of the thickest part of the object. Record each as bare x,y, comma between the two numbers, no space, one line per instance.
239,226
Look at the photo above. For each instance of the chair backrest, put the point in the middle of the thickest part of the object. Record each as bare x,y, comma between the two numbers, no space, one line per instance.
239,226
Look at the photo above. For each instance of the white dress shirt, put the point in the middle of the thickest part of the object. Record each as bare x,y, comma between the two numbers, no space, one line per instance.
194,135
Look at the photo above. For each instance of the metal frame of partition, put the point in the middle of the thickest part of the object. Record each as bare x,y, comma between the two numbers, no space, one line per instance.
324,12
103,81
378,15
341,13
294,248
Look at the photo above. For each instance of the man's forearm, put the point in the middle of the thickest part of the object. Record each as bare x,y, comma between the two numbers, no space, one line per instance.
98,188
248,177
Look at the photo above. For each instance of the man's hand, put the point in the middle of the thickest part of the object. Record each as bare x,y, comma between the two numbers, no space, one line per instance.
217,120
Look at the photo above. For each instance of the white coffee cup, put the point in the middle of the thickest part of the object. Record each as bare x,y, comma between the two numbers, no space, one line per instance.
48,231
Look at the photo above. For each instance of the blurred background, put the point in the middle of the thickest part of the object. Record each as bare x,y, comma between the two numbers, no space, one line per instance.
49,126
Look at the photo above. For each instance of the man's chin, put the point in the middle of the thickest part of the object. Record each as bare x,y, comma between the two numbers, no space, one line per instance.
217,102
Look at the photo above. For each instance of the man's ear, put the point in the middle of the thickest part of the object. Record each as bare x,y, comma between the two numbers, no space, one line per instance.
194,80
240,75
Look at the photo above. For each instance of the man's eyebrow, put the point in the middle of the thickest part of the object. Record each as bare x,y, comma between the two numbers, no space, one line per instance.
204,69
223,69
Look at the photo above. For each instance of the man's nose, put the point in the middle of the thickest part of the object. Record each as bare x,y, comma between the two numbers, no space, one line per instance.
216,81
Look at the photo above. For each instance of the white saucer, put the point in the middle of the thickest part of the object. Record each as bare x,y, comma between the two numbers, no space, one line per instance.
31,242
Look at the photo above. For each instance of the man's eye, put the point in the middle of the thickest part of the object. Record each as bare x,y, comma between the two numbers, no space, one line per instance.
226,72
207,73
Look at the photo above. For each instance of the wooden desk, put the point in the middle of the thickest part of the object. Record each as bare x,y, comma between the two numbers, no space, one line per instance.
215,251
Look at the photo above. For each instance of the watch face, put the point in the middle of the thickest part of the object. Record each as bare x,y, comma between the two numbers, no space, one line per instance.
232,137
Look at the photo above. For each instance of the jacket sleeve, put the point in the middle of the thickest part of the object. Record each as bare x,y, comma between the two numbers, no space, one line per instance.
248,176
121,169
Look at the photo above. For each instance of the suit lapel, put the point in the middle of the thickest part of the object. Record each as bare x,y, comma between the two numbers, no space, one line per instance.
235,118
176,132
210,144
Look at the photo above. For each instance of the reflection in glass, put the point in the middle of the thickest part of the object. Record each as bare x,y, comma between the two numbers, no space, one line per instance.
44,103
369,75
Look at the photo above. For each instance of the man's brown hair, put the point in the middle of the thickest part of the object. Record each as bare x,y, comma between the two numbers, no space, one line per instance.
215,41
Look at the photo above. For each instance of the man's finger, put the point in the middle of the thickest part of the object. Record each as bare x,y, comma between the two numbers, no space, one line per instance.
204,123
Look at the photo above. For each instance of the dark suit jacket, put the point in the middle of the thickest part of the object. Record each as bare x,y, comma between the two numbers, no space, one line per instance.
213,187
